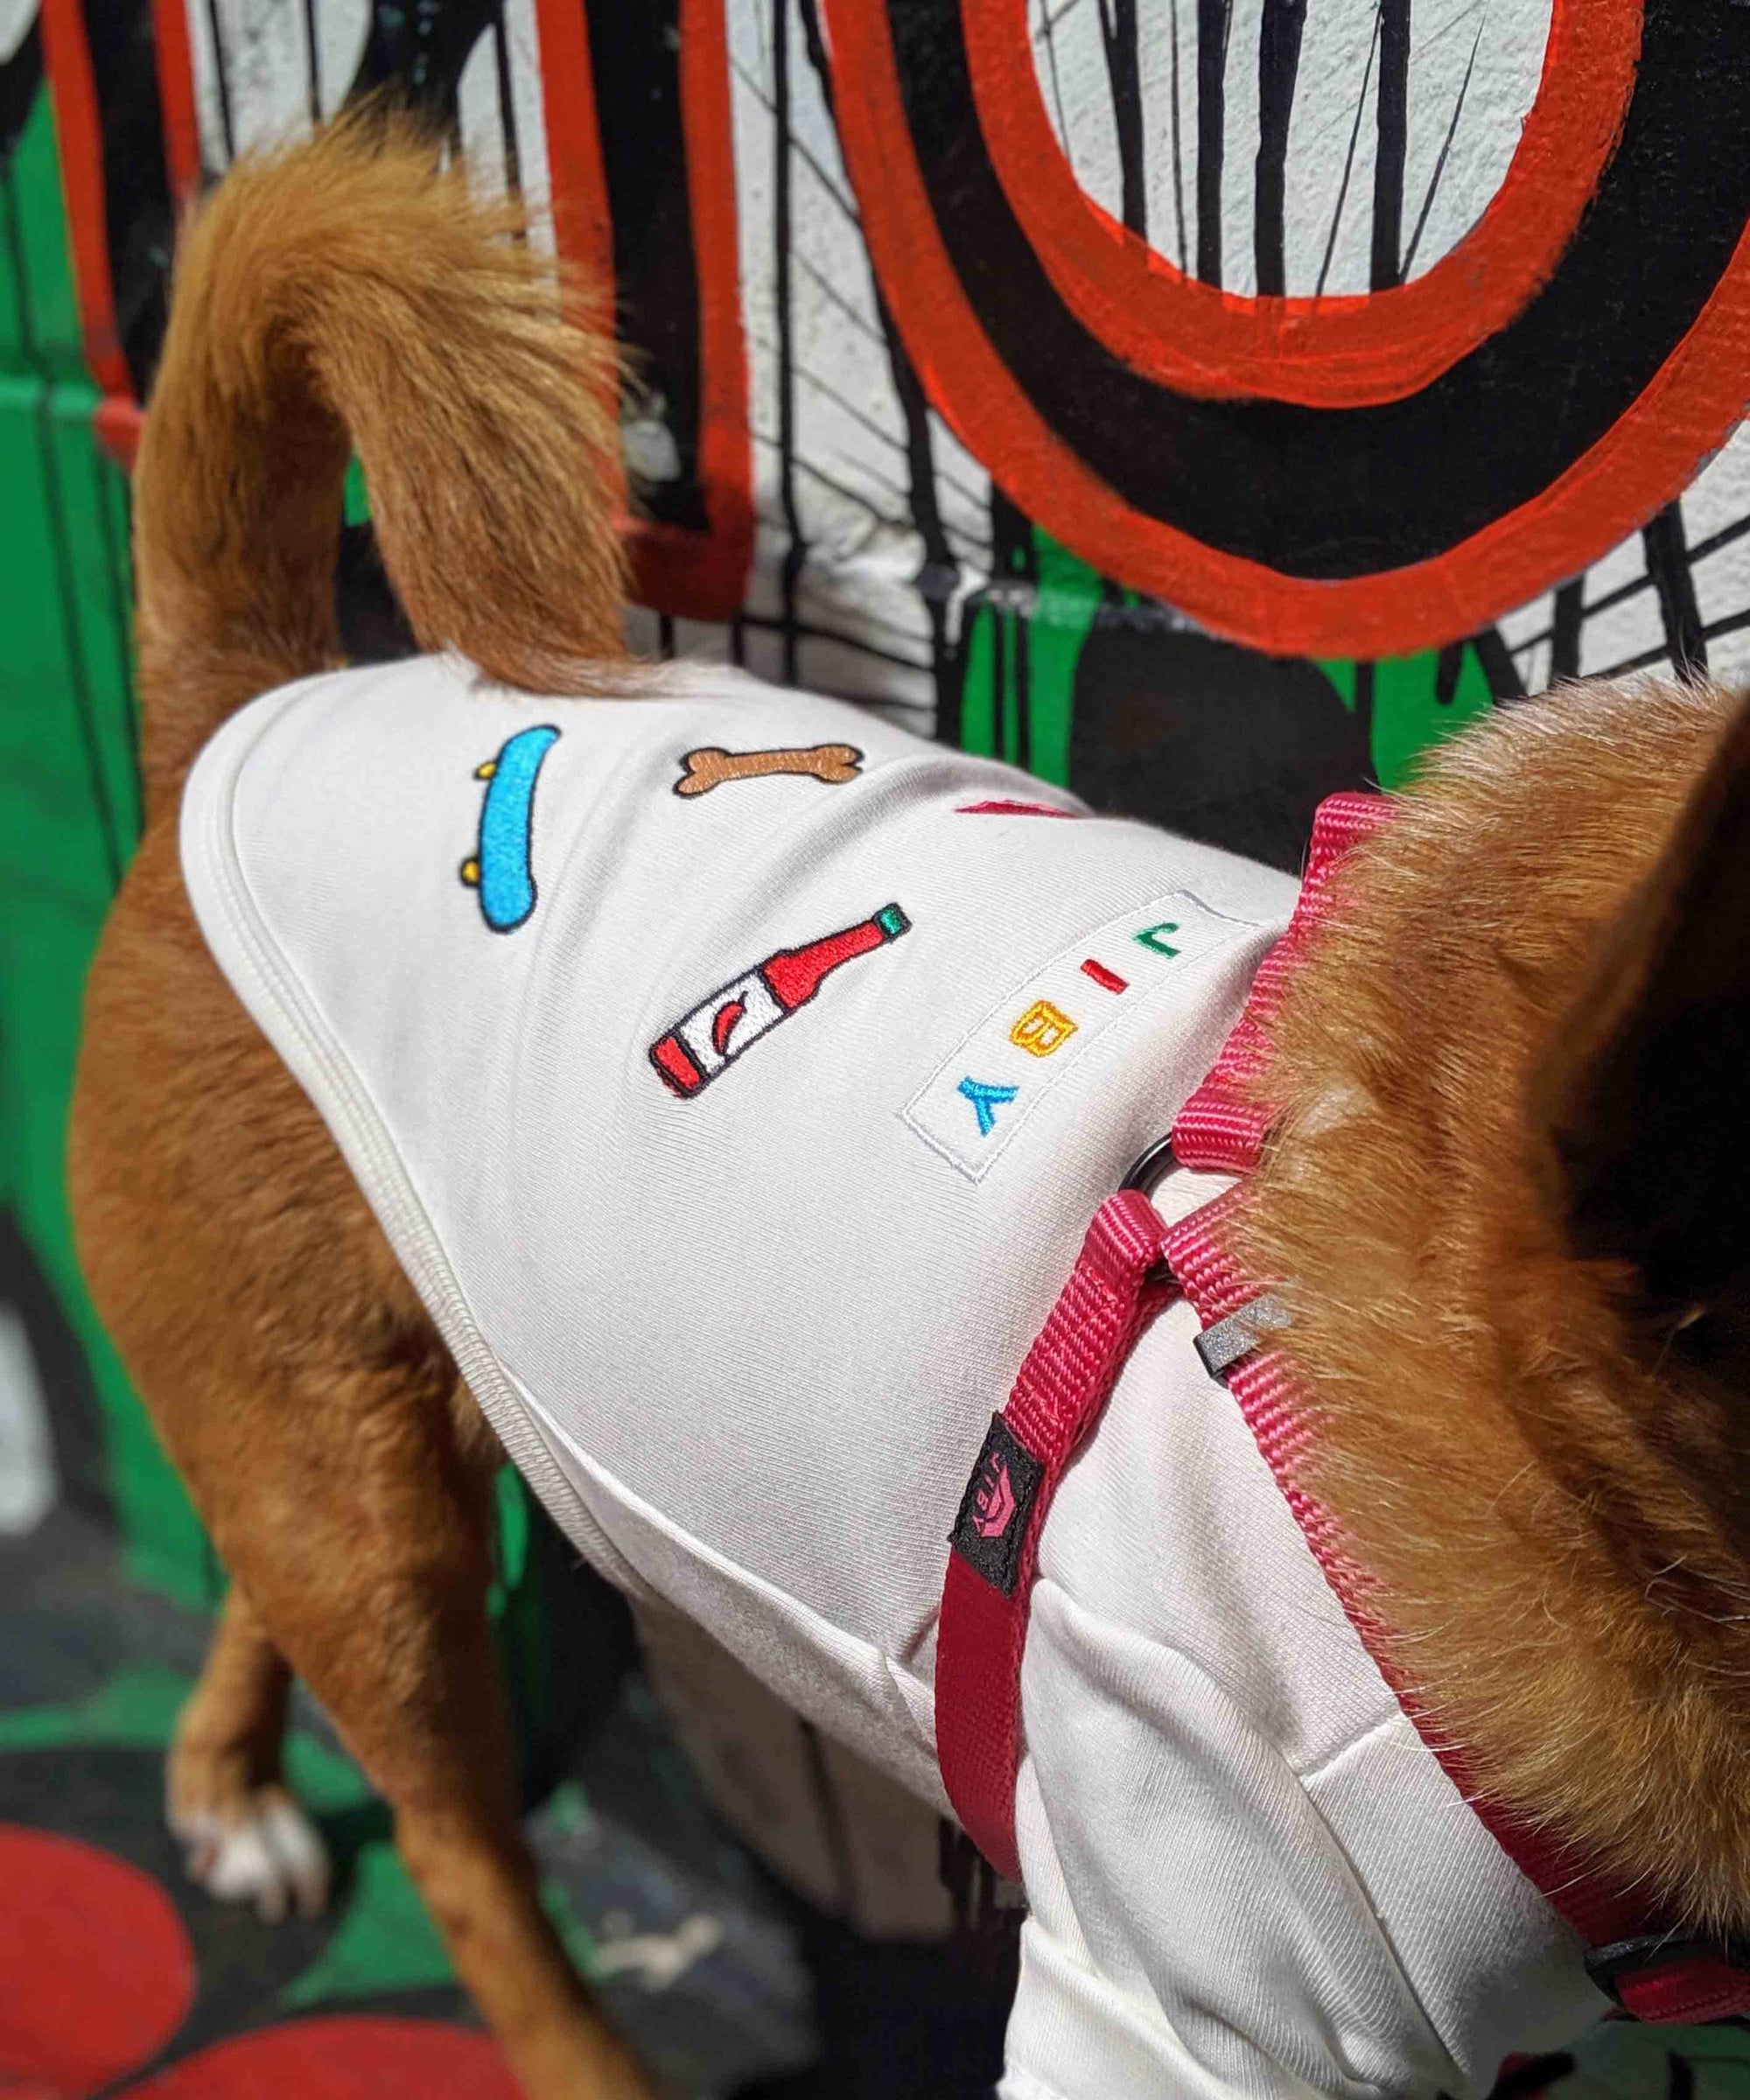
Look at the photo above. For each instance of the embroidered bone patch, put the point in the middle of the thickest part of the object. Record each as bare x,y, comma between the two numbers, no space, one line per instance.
831,764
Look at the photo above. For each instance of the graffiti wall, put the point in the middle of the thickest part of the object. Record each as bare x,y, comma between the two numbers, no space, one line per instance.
1207,404
1204,403
1205,400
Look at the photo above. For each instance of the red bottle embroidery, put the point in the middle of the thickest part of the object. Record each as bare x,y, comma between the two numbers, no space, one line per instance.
719,1029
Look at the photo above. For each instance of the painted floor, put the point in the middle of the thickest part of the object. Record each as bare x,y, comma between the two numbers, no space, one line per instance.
118,1979
115,1977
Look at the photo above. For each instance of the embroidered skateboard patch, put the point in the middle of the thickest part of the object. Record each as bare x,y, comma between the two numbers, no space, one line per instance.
709,1038
992,1529
502,867
979,1097
709,767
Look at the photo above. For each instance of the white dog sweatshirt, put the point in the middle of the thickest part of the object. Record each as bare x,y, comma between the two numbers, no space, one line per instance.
735,1076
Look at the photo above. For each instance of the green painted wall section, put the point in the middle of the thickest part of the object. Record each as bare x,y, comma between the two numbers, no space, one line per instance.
39,311
1063,601
69,794
1045,627
1409,716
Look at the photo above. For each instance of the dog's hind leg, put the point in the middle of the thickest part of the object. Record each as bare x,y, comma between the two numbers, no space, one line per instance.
246,1838
304,1394
372,1580
369,1572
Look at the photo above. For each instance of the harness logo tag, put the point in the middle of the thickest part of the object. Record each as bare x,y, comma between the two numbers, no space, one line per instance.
996,1513
994,1502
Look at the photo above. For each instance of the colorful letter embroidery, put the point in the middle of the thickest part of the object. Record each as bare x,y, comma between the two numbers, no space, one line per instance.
501,868
709,767
976,1101
1042,1029
986,1100
705,1041
1151,937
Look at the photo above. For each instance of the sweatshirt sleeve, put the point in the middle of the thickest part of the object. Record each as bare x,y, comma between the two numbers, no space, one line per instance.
1195,1928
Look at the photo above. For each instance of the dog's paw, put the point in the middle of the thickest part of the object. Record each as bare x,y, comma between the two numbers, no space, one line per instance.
262,1848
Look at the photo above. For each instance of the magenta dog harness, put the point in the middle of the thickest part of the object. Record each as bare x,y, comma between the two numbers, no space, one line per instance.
1130,1266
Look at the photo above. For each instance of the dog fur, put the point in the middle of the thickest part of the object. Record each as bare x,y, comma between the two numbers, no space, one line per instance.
1508,1190
343,290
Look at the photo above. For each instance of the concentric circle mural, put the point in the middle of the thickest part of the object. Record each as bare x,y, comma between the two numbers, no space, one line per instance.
1372,474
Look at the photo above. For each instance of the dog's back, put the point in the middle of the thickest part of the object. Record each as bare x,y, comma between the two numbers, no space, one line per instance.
738,1141
737,1123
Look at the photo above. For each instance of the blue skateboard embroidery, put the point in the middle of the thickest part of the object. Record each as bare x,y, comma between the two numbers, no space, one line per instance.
501,869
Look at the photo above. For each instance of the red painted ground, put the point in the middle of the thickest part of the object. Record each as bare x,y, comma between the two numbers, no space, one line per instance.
96,1972
342,2058
97,1975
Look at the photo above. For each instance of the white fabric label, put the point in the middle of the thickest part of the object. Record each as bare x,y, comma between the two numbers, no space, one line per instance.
982,1093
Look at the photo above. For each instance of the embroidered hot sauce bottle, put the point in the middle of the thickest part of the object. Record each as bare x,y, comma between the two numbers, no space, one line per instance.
719,1029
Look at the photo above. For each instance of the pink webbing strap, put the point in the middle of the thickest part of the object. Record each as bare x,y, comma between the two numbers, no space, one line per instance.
1069,1374
1064,1383
1222,1128
1683,1982
1066,1380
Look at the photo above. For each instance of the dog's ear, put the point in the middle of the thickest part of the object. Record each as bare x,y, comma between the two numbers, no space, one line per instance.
1646,1091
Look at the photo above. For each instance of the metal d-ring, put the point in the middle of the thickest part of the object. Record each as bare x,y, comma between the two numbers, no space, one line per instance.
1151,1168
1148,1171
1226,1341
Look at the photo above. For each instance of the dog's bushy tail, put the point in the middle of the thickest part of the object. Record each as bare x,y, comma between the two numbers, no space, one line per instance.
346,295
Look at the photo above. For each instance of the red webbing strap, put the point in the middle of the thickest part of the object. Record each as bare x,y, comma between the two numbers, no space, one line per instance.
1063,1383
1222,1128
1696,1984
1688,1991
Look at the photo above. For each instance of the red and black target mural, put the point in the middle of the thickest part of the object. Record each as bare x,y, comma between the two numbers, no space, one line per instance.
1359,474
1133,386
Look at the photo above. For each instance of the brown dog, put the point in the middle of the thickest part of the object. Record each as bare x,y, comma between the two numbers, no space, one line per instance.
1507,1188
345,293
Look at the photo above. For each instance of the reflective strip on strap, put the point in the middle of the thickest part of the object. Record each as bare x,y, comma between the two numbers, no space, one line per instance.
1223,1345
